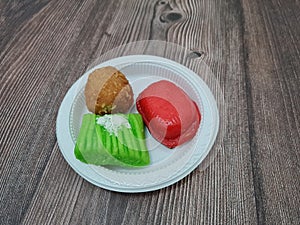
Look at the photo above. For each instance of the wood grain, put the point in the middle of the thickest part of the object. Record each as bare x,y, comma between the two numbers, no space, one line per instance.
273,83
251,47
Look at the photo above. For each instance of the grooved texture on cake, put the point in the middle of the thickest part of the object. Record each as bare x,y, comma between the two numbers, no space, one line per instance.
96,143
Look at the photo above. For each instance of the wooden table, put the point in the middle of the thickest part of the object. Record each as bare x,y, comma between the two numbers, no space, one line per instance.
251,46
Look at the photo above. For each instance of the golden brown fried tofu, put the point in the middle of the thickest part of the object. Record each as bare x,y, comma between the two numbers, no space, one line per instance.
108,91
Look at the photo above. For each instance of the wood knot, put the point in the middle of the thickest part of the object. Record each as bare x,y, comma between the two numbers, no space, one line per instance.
162,2
173,16
170,17
196,54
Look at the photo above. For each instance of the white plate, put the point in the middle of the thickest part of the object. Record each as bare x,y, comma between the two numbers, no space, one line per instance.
167,166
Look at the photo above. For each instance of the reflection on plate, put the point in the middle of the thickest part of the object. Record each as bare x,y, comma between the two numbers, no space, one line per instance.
167,166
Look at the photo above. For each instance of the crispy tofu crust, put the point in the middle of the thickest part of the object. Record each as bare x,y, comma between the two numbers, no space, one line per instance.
108,91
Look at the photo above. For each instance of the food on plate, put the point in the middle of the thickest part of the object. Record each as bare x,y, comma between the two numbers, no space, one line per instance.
169,113
112,139
108,91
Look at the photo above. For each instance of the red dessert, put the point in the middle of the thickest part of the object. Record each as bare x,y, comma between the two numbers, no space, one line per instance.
170,115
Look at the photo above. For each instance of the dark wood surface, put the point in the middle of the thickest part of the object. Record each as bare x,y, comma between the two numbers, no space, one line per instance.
251,46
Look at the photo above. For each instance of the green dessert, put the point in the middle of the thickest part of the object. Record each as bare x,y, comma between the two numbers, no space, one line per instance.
112,139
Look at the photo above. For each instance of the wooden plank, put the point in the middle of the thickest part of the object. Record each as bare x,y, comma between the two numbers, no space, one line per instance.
52,49
14,15
35,65
180,203
272,41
